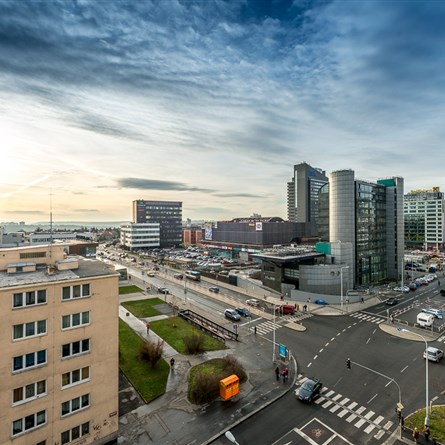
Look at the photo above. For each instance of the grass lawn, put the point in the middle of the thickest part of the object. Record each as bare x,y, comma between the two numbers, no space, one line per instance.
150,383
129,289
174,335
437,422
143,308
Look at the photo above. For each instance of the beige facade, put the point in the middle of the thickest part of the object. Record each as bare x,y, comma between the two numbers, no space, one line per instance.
59,348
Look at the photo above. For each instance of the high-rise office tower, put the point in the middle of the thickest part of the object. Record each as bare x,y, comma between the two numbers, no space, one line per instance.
302,193
424,219
370,217
59,348
168,214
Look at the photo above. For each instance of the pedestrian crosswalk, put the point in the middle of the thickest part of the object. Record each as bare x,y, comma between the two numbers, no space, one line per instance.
269,326
441,339
363,316
359,416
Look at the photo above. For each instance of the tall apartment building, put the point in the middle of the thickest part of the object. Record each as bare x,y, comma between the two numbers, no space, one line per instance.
140,236
369,216
424,219
302,193
168,214
59,348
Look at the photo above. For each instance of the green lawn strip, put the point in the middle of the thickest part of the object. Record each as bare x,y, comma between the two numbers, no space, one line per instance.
129,289
150,383
437,422
174,335
143,308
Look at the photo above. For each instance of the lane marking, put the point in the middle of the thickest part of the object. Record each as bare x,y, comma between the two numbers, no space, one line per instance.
404,368
372,398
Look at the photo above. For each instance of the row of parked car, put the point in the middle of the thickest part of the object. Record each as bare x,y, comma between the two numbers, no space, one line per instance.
421,281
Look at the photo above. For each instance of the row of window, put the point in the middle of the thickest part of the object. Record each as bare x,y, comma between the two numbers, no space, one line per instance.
36,420
36,328
74,405
39,358
37,297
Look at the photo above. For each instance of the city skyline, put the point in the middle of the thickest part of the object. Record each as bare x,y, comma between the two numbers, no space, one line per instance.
212,103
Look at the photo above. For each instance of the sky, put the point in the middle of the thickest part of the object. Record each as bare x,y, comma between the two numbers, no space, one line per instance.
212,102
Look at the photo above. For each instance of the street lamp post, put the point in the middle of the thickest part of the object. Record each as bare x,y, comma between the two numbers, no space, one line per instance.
274,356
341,285
231,437
427,419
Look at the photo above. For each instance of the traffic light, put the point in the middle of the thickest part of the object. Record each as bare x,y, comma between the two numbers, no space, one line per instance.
348,363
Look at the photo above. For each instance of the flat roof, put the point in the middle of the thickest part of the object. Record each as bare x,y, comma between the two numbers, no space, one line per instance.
287,258
87,268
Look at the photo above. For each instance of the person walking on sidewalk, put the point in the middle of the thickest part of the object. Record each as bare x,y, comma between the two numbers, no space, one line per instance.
426,432
148,327
277,372
415,434
172,363
285,374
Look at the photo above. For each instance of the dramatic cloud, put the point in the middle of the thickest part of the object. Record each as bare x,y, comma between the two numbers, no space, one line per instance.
153,184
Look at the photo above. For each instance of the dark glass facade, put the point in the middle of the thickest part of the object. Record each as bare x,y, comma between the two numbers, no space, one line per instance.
167,213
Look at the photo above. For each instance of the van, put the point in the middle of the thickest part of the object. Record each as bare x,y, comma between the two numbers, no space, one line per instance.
425,320
285,309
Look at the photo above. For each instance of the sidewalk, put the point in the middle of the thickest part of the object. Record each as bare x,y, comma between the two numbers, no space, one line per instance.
167,419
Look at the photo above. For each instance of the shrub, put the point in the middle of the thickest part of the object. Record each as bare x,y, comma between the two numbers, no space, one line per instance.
206,388
151,351
194,343
231,365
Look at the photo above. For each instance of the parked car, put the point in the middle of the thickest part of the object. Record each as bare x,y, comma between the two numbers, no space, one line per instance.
433,354
425,320
442,292
178,276
243,311
310,389
436,312
412,286
321,301
391,301
214,289
163,290
150,274
231,314
253,302
402,289
285,309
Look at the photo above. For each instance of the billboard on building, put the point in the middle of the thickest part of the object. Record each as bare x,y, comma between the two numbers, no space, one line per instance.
208,235
259,226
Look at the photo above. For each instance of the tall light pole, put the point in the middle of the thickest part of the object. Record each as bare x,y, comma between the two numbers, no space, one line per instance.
341,285
274,356
427,419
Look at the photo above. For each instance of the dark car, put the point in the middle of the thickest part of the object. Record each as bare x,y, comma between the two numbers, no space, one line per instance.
243,311
214,289
310,389
163,290
178,276
442,292
391,301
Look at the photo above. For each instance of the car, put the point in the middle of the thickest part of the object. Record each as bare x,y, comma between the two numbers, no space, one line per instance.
412,286
433,354
253,302
163,290
285,309
310,389
442,292
231,314
150,274
402,289
321,301
214,289
243,311
178,276
436,312
391,301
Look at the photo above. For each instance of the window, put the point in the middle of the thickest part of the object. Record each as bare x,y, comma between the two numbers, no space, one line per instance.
76,404
32,255
77,291
31,298
75,433
29,392
75,320
32,329
28,423
76,348
27,361
76,377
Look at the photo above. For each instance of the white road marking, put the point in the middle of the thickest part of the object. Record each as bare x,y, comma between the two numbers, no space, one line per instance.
370,428
309,365
334,408
328,403
329,394
359,423
369,401
369,339
351,418
342,413
320,351
337,396
326,345
315,358
378,420
404,368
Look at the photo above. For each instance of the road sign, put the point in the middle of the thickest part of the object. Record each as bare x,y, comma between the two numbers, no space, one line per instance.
400,406
283,351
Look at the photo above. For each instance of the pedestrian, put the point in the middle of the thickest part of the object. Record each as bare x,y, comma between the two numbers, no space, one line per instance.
363,300
391,319
254,330
415,434
402,423
309,300
277,372
285,374
438,282
426,432
148,327
172,363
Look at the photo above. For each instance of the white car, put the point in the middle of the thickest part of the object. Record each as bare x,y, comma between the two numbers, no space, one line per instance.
253,302
436,312
402,289
433,354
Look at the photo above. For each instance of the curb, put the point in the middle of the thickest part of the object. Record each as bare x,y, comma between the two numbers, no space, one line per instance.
247,416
